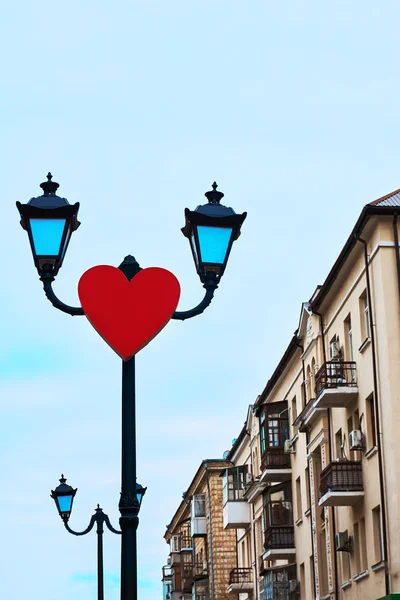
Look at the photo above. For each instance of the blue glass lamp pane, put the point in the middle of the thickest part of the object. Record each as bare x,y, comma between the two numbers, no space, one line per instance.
139,498
47,235
65,503
214,243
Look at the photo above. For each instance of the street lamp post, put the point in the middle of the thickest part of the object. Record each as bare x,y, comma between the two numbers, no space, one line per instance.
211,229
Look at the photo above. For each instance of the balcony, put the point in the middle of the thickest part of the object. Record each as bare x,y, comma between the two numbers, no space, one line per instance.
254,487
309,416
341,484
186,543
275,465
236,512
282,590
167,573
200,571
279,543
336,385
187,576
240,580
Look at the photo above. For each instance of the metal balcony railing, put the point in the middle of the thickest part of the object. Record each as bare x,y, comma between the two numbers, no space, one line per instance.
335,374
277,538
275,458
186,542
241,575
343,476
200,569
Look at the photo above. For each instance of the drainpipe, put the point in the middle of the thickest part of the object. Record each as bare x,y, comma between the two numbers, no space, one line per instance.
308,470
377,417
255,552
330,438
211,535
311,528
396,247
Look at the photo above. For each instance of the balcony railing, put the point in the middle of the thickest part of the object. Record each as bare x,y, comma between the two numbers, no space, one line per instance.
241,575
277,538
343,476
275,458
200,570
335,374
186,542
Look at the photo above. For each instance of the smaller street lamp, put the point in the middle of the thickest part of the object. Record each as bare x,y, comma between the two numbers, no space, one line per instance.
49,221
211,229
63,497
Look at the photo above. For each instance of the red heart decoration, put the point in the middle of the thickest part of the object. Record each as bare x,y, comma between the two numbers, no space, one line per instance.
128,314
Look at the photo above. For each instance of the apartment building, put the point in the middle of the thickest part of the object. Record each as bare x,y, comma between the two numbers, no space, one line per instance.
311,485
202,553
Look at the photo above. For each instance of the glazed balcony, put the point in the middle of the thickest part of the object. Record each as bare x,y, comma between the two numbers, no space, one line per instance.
240,580
341,484
167,573
336,385
236,511
279,543
275,465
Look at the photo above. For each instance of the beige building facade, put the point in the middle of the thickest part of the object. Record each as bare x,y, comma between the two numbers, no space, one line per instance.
309,494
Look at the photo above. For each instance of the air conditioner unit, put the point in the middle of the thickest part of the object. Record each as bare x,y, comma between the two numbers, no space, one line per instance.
288,448
343,541
356,440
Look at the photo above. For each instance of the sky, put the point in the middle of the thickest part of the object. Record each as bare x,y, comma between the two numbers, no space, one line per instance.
136,108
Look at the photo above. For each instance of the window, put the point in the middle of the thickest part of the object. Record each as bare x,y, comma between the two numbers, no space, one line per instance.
233,484
371,432
363,546
345,566
299,509
294,410
348,338
262,432
302,581
357,548
339,443
364,316
377,527
307,480
312,378
308,384
199,506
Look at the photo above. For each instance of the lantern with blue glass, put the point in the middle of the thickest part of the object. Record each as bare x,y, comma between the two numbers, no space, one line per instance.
63,496
140,492
211,229
49,221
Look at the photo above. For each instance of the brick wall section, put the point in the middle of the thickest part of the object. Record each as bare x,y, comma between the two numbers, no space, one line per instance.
223,540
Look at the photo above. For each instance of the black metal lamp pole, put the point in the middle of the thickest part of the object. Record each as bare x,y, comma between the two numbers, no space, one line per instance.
211,229
62,498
